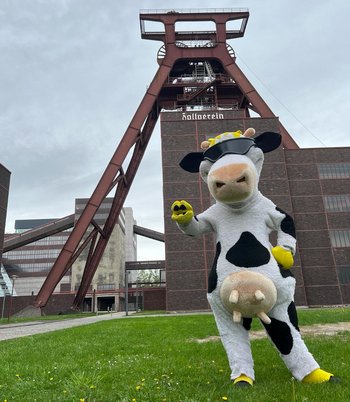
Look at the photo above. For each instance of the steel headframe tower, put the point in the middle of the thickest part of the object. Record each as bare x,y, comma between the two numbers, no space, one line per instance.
183,53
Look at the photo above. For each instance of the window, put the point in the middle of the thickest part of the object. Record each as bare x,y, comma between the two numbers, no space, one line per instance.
334,170
106,286
36,254
343,275
35,267
340,238
337,203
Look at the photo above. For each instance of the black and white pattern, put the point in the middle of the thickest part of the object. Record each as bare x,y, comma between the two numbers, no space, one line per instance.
242,232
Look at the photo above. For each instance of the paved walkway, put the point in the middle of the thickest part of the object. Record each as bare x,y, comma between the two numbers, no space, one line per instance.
11,331
18,330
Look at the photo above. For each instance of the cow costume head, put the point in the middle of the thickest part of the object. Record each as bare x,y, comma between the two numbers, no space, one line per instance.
231,163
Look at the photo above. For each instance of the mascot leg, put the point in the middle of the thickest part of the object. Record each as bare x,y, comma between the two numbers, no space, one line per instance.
284,333
235,339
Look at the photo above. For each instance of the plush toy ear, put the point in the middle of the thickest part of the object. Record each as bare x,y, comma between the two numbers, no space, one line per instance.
268,141
191,162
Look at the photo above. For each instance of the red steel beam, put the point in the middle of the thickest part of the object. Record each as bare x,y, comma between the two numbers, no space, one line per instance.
260,106
130,138
137,136
120,196
40,232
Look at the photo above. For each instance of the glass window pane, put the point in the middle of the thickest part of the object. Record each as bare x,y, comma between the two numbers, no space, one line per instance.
334,170
340,238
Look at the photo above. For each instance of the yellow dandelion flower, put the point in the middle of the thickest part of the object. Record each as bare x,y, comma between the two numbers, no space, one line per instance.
138,387
133,400
143,380
224,398
82,400
92,386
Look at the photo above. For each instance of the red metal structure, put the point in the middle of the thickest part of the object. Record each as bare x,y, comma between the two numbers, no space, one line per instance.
184,53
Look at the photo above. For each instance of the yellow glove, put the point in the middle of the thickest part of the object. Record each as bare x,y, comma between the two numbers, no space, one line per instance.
283,257
182,212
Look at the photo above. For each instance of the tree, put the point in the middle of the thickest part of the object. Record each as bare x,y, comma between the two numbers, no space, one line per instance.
148,278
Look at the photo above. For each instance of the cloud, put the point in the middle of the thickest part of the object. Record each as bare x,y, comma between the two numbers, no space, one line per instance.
73,73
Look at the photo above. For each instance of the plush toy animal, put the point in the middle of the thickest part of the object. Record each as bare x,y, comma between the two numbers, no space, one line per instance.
242,219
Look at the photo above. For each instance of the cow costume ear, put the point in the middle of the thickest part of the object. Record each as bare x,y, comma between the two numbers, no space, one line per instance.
268,141
191,162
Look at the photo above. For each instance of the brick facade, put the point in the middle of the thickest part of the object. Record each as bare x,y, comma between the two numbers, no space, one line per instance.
290,178
4,192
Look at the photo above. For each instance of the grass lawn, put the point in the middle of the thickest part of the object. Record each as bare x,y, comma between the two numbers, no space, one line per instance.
157,359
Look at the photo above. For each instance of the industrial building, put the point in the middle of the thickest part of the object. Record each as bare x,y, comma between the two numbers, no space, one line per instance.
32,262
5,282
312,185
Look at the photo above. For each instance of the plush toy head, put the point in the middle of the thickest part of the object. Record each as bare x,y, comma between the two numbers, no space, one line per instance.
248,294
231,163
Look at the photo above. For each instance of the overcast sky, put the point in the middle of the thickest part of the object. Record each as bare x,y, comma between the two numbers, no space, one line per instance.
73,72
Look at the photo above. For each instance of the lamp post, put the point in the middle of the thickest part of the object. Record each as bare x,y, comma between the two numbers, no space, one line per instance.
3,303
93,301
126,293
13,277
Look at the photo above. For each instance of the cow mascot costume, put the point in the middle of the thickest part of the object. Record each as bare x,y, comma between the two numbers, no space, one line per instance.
249,277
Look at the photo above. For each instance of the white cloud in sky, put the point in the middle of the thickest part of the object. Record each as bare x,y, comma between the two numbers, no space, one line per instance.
73,73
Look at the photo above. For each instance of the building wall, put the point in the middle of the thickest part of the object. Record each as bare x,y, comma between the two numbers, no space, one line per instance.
4,192
130,242
110,273
130,236
31,263
291,178
319,181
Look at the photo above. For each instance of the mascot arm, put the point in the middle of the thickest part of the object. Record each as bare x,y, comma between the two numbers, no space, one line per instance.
182,213
286,239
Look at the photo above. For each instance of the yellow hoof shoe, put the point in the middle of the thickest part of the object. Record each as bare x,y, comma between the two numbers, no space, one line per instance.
243,380
317,377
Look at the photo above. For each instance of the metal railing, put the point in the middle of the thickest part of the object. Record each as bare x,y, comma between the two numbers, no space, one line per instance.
195,11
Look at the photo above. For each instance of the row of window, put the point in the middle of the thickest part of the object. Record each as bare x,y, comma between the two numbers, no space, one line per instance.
51,241
340,238
334,170
337,203
343,275
106,286
35,267
31,254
